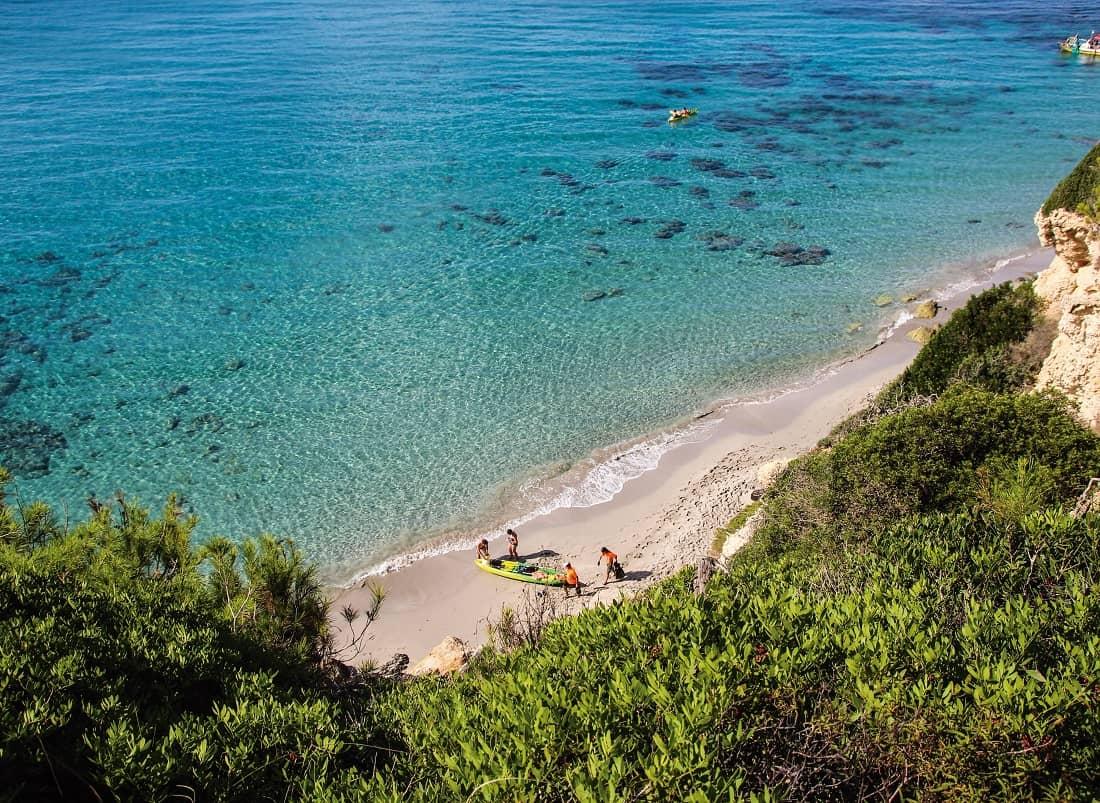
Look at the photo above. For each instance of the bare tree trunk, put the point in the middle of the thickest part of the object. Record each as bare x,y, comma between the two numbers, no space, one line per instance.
703,572
1089,499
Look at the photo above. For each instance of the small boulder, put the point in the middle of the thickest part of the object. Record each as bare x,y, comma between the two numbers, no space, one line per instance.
921,335
883,300
926,309
853,327
394,667
449,656
234,364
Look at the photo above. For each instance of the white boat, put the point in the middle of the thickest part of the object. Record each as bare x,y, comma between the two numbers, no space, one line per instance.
1077,45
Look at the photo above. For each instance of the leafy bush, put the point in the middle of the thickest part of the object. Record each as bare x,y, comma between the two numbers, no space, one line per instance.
973,346
955,657
128,673
1080,190
925,459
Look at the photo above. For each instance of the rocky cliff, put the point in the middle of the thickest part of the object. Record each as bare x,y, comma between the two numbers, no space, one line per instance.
1071,288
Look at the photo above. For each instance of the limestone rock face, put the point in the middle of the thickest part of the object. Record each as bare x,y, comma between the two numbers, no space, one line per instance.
1071,288
450,655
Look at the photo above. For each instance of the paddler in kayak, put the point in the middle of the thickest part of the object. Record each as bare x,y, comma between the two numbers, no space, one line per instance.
613,565
571,580
483,549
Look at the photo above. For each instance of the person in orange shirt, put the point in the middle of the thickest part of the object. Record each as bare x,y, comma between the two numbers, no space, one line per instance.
571,579
613,566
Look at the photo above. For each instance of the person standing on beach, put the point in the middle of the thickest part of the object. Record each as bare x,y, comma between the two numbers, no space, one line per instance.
513,544
483,549
612,564
571,579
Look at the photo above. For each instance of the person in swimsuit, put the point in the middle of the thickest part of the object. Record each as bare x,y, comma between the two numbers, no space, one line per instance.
483,549
513,545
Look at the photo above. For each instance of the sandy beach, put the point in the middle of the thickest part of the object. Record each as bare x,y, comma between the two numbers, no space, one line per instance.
660,521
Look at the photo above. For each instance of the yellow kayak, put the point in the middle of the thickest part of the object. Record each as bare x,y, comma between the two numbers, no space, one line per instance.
524,572
679,115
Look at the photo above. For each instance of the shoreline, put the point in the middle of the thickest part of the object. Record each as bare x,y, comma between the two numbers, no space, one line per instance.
659,519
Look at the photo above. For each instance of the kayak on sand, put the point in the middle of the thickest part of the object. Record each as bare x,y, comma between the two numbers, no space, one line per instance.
524,572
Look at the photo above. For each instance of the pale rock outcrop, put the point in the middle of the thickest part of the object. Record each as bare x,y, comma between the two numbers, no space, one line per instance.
1071,289
767,472
450,655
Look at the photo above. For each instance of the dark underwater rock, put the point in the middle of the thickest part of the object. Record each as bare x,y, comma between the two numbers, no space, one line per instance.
206,422
179,390
794,254
699,191
28,446
720,241
607,164
669,229
632,221
9,384
707,165
664,182
493,217
62,277
661,156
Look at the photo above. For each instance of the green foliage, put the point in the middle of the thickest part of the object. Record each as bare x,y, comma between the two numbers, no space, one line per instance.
952,657
973,346
735,524
926,459
1080,190
127,671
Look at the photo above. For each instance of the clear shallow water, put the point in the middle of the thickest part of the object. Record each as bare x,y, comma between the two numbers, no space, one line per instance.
322,269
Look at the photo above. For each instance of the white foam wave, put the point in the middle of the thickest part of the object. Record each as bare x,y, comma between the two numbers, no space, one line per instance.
601,479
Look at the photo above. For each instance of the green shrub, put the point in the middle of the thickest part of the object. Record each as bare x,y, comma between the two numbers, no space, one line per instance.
127,673
973,346
953,658
926,459
1080,190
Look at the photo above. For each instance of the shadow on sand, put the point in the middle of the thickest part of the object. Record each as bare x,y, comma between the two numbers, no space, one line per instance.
545,553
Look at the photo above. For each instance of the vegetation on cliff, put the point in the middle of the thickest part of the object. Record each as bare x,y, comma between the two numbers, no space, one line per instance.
1080,190
135,667
918,618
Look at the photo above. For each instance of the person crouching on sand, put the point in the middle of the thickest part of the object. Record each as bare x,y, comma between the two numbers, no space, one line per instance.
571,579
483,549
613,566
513,544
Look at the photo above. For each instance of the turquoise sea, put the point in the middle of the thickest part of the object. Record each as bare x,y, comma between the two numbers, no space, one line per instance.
364,274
